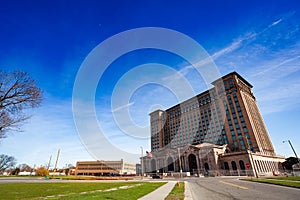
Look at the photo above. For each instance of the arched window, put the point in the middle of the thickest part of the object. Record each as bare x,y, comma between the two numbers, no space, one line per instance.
170,164
233,165
242,165
206,166
192,162
226,166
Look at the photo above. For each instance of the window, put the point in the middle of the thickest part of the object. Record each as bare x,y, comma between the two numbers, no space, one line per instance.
206,166
242,165
226,166
233,165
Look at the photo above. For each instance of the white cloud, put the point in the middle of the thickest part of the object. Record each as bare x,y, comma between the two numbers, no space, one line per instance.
122,107
276,22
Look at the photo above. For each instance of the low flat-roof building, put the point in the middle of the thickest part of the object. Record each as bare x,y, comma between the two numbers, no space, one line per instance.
101,167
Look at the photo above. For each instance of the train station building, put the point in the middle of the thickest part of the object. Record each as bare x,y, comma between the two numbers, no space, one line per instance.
220,132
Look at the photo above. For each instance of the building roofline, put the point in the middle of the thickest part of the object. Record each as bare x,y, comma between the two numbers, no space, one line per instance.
234,73
207,91
156,111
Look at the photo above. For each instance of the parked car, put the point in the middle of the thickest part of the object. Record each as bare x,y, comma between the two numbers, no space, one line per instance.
156,176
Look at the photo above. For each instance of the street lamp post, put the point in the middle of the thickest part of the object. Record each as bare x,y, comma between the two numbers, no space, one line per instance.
291,147
179,163
142,163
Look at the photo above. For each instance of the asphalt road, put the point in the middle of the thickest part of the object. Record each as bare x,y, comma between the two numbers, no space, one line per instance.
233,188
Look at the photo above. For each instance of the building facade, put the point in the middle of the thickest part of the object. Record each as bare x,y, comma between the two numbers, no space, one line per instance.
101,167
219,129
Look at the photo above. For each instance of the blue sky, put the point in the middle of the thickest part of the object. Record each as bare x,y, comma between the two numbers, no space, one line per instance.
50,40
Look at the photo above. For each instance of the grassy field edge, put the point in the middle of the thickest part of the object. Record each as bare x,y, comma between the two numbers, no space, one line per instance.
177,192
277,181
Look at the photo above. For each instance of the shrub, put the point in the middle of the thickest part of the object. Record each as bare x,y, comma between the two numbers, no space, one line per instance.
42,171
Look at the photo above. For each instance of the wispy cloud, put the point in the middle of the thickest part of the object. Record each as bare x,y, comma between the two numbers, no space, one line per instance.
266,59
273,67
234,45
275,23
122,107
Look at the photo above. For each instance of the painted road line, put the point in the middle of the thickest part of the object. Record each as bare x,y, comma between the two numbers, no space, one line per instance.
234,185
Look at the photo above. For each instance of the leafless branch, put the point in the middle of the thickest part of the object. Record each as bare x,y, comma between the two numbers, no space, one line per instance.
18,92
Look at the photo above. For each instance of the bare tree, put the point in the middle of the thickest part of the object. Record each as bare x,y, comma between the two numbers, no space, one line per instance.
6,162
25,168
18,92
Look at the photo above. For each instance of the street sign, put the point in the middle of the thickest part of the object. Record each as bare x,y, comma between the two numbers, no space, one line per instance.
248,165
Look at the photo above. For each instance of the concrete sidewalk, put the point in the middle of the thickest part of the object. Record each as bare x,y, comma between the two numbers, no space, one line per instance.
161,193
187,191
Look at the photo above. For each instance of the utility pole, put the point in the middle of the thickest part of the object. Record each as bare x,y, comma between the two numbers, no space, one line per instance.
58,152
49,162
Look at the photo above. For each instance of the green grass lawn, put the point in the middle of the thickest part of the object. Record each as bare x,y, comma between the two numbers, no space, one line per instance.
291,178
92,177
177,192
75,190
284,181
76,177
